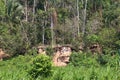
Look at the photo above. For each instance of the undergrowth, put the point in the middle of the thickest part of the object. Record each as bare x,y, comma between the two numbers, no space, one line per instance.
88,68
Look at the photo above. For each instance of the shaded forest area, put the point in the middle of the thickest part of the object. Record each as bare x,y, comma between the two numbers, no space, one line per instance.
25,24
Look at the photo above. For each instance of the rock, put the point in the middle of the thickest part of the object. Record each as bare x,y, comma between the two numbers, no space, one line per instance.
41,50
61,56
3,54
95,48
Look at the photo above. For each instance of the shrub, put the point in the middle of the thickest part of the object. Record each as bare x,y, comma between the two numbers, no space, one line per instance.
78,59
108,38
75,59
108,60
102,60
49,51
92,39
32,51
41,66
83,59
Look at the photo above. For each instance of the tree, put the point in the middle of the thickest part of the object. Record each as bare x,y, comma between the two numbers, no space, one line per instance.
2,9
84,17
13,10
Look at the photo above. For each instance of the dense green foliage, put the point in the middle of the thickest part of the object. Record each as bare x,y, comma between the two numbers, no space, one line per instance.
17,69
25,24
49,51
87,59
41,66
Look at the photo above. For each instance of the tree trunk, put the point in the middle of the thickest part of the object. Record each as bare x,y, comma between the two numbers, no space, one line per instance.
34,5
26,11
78,16
52,33
43,34
100,10
84,18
